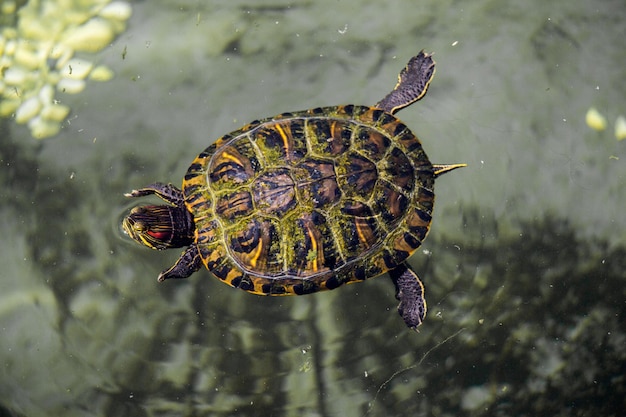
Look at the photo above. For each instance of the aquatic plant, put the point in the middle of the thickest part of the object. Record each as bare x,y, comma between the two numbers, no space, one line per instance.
39,41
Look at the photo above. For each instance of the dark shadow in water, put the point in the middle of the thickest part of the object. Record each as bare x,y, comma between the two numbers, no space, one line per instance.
551,339
528,323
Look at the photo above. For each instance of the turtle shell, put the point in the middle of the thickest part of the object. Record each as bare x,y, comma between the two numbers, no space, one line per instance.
310,200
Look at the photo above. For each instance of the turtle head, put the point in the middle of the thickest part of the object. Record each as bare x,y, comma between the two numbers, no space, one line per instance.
159,227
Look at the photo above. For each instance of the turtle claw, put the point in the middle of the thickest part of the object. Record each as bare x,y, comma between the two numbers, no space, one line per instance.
410,292
166,192
188,263
149,190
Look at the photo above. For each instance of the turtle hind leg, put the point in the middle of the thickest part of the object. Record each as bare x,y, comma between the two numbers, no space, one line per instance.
410,292
412,84
188,263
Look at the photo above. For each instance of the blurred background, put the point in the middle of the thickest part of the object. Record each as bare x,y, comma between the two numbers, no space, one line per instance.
523,268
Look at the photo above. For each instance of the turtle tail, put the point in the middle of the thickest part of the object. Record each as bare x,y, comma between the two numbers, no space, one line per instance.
443,168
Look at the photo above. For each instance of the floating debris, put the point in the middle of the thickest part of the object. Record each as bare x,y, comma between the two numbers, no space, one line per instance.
37,55
595,119
620,128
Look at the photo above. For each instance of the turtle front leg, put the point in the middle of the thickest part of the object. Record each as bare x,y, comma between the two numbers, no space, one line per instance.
410,292
188,263
166,192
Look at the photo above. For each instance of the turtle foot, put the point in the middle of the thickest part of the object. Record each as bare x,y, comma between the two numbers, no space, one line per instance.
188,263
410,292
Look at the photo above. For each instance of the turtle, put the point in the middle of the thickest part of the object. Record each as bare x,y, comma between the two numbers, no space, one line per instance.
305,201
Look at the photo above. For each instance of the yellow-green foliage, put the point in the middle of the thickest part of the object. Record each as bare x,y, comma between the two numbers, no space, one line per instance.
37,49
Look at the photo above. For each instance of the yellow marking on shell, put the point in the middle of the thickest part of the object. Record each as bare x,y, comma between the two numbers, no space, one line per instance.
314,263
231,275
197,180
401,244
257,286
215,254
283,136
360,230
256,254
231,157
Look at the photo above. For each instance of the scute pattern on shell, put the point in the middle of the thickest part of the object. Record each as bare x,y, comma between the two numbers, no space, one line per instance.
310,200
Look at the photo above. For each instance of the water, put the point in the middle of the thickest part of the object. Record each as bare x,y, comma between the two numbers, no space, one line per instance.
524,267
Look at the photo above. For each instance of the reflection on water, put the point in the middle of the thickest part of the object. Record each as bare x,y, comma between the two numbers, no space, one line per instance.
525,316
524,322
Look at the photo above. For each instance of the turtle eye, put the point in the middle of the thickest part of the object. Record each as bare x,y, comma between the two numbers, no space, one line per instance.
139,227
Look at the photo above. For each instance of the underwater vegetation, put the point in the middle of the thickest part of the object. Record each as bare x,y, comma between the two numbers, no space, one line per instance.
523,321
39,44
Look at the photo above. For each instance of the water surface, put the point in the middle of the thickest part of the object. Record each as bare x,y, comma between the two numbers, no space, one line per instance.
524,267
